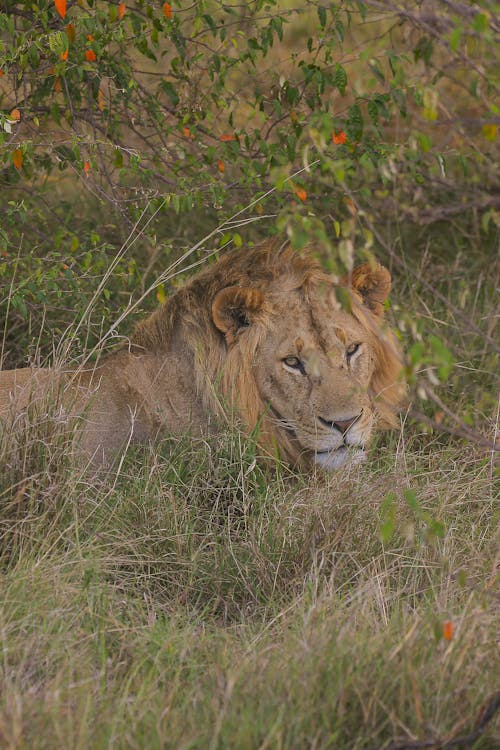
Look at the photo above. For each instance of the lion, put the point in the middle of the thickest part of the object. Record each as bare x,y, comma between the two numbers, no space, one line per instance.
259,333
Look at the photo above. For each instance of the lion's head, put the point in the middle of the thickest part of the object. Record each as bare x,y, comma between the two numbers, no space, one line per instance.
314,377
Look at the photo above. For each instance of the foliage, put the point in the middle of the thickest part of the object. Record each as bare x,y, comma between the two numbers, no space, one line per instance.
171,97
195,599
188,106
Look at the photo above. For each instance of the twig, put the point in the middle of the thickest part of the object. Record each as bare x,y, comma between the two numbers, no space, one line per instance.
465,429
441,213
464,741
462,431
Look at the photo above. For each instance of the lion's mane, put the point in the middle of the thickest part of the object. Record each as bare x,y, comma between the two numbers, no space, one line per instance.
271,267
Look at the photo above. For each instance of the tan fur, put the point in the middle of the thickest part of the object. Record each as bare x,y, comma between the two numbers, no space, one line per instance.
221,345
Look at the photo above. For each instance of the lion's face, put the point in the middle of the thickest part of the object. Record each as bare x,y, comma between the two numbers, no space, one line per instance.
314,369
317,377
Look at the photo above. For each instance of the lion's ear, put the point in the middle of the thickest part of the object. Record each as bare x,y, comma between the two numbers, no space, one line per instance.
373,283
234,308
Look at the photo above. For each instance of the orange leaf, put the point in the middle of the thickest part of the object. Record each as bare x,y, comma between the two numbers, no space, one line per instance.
57,85
90,55
228,138
17,158
167,10
351,206
1,73
64,55
90,38
221,166
448,630
121,10
86,167
60,7
101,101
186,132
300,193
15,115
339,137
71,32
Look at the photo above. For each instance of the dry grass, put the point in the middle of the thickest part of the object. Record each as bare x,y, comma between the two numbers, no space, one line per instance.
198,601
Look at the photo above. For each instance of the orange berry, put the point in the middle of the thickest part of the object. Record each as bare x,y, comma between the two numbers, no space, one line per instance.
448,630
339,137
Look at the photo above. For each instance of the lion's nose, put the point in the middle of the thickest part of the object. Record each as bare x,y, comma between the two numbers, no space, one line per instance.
342,425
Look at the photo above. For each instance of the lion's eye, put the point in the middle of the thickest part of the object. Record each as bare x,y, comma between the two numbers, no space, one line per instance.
352,349
294,362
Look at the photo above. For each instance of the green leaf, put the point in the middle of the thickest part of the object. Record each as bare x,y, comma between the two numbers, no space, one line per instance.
170,92
355,123
411,500
362,9
480,22
423,49
340,78
373,111
455,38
322,16
377,72
339,30
399,99
253,44
65,154
210,23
